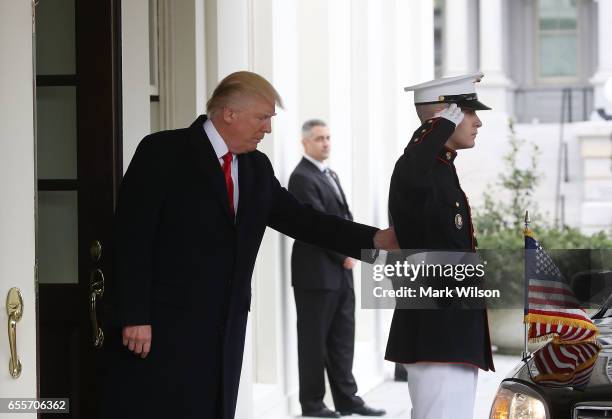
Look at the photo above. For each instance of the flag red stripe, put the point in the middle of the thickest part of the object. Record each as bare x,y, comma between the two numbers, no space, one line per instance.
564,291
551,363
557,303
564,358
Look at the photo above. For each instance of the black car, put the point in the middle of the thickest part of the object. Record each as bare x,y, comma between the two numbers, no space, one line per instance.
562,381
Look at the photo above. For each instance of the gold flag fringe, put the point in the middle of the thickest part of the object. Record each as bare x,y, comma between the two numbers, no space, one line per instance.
531,319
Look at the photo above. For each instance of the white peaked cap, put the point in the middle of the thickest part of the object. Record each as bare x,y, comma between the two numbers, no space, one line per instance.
460,90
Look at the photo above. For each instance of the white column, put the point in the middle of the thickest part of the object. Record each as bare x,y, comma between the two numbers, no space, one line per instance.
460,37
285,76
413,39
604,66
227,38
495,89
368,140
340,91
314,59
272,49
182,81
135,75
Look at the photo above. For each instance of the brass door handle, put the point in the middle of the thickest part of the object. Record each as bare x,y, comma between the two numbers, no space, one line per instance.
14,309
96,289
95,251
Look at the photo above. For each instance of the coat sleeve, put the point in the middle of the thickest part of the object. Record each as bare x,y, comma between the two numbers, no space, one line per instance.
302,222
411,182
305,190
137,216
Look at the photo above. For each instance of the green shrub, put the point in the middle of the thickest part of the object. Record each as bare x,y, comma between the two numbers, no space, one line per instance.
500,222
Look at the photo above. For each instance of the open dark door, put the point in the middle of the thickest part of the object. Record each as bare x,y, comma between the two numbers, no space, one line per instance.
79,167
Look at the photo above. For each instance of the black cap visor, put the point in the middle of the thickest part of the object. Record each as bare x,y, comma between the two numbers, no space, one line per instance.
468,101
473,105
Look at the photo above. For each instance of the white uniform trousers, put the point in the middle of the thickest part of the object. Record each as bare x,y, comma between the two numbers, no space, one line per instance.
442,391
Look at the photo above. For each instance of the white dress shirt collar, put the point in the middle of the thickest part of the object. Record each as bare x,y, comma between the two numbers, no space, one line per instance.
321,165
216,140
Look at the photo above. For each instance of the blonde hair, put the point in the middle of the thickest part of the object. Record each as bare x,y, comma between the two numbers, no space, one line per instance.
239,85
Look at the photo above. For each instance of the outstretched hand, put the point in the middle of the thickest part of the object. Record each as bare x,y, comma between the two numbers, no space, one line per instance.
138,339
349,263
452,113
386,239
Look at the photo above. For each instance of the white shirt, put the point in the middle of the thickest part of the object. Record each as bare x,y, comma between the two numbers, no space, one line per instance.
321,165
221,150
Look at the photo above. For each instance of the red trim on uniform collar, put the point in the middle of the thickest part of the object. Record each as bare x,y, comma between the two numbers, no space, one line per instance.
447,155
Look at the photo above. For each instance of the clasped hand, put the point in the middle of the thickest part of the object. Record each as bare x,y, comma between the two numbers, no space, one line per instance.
138,339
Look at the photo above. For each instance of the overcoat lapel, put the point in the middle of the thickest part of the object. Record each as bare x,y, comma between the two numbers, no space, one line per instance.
208,164
245,186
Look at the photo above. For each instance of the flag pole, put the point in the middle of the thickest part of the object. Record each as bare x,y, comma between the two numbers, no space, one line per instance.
526,353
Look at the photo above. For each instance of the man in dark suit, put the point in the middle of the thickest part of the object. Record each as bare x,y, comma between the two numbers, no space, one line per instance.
193,208
323,288
442,348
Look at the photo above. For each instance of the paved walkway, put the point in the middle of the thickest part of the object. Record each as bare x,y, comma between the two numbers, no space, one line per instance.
393,396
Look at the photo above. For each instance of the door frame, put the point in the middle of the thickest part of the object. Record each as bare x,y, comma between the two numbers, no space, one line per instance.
17,188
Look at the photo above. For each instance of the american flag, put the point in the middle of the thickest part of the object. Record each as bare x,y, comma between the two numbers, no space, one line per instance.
551,309
566,365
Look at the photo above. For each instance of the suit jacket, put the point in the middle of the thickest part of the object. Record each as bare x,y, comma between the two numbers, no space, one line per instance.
184,265
430,211
313,267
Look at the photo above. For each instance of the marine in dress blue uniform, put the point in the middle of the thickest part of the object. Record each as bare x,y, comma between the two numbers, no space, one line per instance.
442,348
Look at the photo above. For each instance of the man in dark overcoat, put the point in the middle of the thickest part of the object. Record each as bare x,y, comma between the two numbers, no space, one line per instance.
192,211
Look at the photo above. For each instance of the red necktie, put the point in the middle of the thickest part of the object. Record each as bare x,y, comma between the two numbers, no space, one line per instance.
229,183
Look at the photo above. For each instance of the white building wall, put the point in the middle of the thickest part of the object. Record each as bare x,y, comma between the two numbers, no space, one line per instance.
595,148
604,57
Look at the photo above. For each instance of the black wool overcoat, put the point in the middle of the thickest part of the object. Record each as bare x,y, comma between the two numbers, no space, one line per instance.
184,266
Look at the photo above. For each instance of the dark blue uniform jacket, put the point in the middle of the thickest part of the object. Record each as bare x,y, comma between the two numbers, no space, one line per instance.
430,211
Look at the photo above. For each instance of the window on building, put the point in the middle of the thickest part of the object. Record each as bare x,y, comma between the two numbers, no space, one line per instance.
557,25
